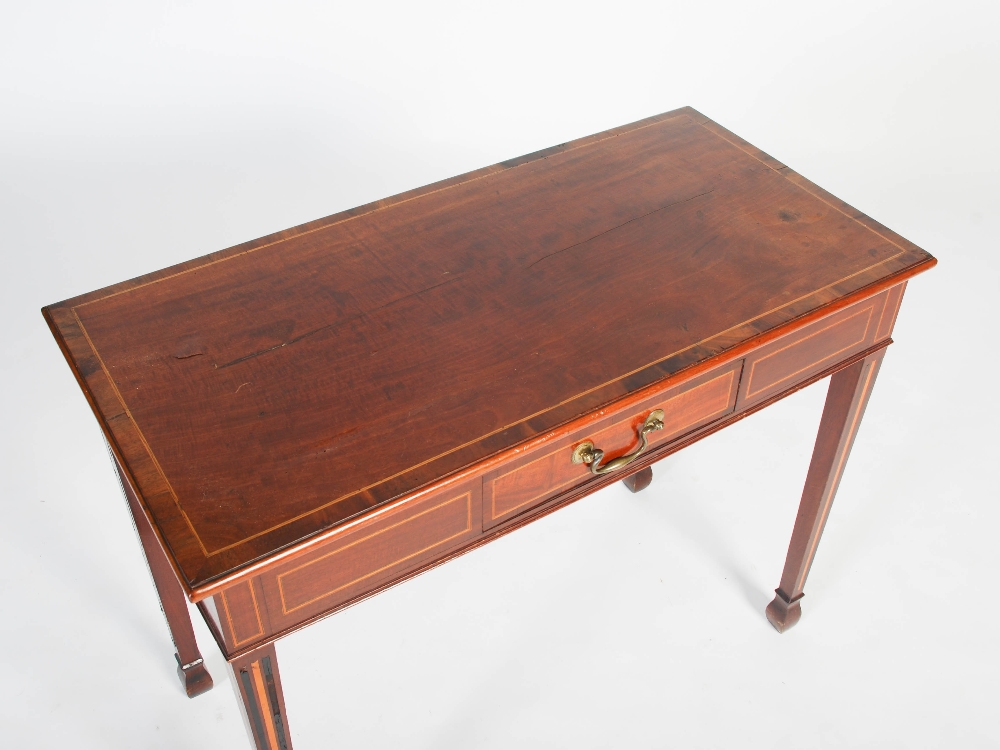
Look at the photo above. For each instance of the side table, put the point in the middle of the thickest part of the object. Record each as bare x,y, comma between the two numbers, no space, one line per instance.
304,420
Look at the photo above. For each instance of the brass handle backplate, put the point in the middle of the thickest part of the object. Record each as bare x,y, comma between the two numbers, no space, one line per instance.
586,453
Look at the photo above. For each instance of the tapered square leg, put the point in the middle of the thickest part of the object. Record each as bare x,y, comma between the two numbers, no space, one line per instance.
190,666
845,406
640,480
258,687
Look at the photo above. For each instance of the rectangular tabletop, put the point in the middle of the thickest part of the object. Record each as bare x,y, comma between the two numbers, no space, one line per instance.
268,392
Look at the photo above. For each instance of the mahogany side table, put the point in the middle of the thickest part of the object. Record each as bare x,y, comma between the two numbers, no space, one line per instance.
304,420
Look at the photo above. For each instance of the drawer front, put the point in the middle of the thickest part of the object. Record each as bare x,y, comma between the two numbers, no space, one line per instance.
791,359
373,554
533,479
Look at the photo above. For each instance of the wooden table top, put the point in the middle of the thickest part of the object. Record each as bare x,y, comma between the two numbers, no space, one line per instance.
264,393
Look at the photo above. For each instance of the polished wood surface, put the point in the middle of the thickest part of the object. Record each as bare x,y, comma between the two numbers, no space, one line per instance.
774,367
372,554
268,393
243,614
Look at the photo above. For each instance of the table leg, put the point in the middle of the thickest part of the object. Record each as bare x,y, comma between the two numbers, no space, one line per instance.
173,603
640,480
845,405
258,689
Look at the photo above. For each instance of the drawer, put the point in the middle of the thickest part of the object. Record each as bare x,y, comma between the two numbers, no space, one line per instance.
372,554
538,476
789,360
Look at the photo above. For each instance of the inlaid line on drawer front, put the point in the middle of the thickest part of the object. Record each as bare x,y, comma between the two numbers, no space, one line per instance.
400,537
855,328
712,398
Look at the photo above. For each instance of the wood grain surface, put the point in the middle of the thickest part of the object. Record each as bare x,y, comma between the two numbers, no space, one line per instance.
775,366
373,554
264,394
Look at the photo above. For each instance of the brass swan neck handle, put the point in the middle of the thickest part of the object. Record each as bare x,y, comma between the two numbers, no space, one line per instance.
586,453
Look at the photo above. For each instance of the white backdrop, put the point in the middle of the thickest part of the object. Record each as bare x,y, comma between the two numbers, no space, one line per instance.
137,135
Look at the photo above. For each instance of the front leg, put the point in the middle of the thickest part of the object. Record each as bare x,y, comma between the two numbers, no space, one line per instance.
258,687
845,405
190,666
